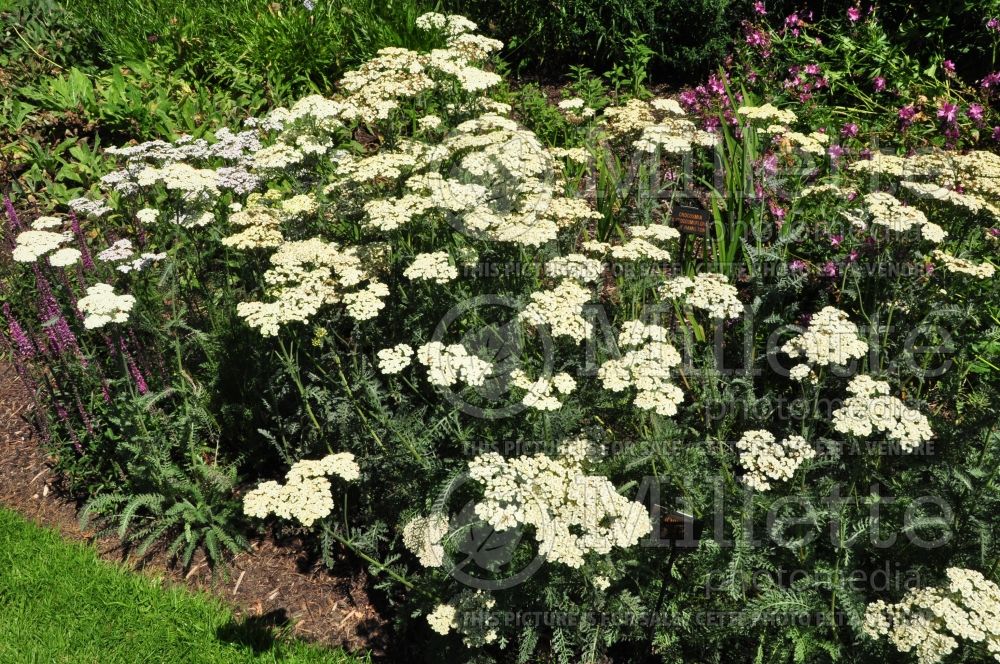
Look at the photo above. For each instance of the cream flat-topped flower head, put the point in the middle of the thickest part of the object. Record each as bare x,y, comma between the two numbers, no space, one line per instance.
32,245
830,339
102,306
766,460
708,291
306,496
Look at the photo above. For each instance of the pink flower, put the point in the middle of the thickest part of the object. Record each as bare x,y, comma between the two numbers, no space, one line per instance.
758,38
948,112
993,24
879,84
835,152
850,130
797,265
853,256
949,66
812,70
830,269
759,8
906,115
835,240
991,80
770,164
854,14
975,112
716,85
996,133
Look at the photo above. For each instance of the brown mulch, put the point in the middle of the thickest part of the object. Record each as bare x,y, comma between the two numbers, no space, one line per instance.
271,583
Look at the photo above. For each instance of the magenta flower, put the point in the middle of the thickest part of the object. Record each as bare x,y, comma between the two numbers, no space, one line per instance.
758,38
975,112
88,262
948,112
716,85
835,240
812,70
906,113
797,265
835,152
849,130
993,24
994,233
854,14
949,66
25,349
759,8
830,269
853,256
770,164
991,80
996,133
879,84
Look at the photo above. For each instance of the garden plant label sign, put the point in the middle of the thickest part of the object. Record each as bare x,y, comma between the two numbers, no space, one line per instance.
691,220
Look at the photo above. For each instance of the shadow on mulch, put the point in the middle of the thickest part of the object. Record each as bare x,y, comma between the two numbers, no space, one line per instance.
271,586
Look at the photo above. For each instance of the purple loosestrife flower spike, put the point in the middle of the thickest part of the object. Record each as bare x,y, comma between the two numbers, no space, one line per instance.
61,337
140,380
15,223
64,418
88,262
84,415
25,349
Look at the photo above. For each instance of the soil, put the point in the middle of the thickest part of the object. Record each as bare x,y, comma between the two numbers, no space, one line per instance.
272,584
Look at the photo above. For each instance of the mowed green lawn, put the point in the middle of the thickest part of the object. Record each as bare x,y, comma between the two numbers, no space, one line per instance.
60,603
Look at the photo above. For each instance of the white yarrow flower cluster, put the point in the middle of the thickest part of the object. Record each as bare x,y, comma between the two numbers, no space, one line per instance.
572,514
446,365
963,266
434,267
306,496
442,619
142,262
886,210
102,306
930,622
561,309
870,409
64,257
766,460
32,245
707,291
541,394
119,251
802,373
395,359
647,368
46,223
574,266
468,615
831,338
423,535
767,113
305,276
